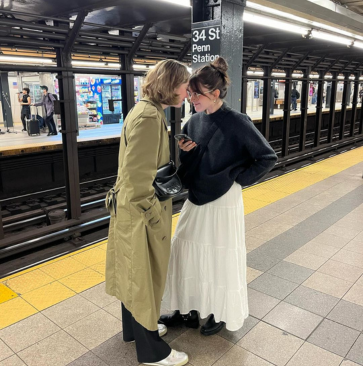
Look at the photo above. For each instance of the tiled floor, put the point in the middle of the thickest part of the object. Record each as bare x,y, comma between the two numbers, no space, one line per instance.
305,274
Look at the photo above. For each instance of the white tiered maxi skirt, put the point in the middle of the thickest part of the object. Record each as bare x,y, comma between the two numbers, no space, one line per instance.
207,268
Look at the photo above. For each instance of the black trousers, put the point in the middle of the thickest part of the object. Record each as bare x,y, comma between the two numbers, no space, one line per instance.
24,115
49,120
149,346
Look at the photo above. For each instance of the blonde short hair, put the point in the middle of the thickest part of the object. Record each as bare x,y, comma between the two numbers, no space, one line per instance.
163,79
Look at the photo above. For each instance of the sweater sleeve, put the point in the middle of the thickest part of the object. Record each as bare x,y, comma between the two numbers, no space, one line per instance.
263,157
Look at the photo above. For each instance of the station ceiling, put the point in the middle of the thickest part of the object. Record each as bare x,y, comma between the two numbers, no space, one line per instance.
168,37
353,5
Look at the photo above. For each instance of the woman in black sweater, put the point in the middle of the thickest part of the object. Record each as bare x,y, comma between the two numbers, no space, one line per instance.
207,268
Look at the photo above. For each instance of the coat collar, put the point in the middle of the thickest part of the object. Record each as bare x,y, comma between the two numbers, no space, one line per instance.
157,105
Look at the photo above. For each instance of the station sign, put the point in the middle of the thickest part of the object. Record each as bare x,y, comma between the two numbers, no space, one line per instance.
206,42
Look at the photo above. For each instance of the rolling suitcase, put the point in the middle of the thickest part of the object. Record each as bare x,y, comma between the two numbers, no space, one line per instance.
32,125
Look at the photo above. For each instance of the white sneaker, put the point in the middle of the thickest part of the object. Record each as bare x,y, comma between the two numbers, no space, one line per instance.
162,329
174,359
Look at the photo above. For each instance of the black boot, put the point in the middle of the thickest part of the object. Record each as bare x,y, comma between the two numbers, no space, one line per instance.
211,327
192,319
172,320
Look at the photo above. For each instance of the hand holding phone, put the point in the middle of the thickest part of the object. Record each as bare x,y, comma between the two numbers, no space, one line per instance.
182,136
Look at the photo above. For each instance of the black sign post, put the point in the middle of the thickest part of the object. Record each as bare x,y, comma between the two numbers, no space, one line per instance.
217,30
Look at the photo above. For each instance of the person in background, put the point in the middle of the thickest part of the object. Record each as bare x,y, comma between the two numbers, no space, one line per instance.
25,102
48,103
295,95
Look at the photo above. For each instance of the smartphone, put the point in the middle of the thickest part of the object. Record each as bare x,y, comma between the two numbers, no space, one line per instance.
182,136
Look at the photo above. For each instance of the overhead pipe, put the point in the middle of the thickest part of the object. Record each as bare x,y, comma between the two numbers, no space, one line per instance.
27,33
27,41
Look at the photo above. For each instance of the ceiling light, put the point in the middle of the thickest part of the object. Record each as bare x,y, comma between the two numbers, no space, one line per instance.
341,77
331,37
358,44
274,23
328,76
352,77
290,16
100,65
179,2
140,67
314,76
282,74
256,73
297,75
39,60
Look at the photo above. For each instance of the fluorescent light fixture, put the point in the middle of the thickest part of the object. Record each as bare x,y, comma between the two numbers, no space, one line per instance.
101,65
314,76
358,44
297,75
328,76
179,2
361,78
341,77
352,77
256,73
115,65
282,74
140,67
290,17
331,37
274,23
37,60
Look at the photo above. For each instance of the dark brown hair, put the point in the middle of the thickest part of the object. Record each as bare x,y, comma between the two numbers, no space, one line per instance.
212,76
161,82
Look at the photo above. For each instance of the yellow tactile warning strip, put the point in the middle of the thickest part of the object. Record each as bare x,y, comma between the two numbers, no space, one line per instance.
35,289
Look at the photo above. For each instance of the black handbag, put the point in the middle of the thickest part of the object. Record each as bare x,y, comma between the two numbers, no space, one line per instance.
167,183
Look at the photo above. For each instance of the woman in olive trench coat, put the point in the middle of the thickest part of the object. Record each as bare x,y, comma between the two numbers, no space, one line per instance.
138,247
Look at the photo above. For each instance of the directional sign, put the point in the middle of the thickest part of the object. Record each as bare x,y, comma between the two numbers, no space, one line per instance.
206,43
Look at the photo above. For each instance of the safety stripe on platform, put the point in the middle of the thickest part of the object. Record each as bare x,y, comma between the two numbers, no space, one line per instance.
35,289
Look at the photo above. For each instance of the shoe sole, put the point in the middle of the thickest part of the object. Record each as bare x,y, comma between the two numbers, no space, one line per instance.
211,333
181,363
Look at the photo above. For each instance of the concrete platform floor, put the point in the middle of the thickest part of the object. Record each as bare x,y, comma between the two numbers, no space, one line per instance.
304,238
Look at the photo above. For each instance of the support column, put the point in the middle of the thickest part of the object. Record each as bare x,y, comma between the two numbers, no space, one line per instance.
304,110
333,98
319,112
127,87
69,120
244,90
6,100
266,104
175,124
287,106
343,113
1,226
354,105
218,26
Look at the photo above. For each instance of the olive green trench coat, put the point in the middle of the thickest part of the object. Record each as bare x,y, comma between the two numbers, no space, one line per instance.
138,247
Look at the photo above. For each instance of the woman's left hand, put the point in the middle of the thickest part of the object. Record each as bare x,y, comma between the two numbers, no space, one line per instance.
187,145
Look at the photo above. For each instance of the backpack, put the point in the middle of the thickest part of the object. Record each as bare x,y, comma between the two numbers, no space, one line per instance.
55,96
297,95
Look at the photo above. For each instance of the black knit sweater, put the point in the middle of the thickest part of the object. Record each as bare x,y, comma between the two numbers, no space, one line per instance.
237,152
